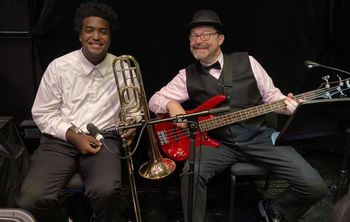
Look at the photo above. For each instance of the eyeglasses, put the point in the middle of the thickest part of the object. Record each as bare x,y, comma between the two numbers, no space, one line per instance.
203,36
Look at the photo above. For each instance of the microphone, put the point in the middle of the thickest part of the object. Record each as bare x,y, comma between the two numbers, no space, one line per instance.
310,64
94,131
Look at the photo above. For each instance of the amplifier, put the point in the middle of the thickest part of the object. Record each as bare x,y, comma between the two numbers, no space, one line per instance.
29,130
30,134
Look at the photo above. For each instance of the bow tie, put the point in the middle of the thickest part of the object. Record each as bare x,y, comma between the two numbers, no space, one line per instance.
215,65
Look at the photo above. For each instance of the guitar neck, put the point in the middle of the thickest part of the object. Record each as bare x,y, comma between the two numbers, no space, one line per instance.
233,117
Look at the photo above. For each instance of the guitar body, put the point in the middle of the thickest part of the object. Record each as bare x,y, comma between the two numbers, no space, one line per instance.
175,142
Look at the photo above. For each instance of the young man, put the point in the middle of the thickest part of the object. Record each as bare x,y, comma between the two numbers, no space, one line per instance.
248,140
77,89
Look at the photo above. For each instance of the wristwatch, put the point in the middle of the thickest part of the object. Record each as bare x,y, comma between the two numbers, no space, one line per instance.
76,129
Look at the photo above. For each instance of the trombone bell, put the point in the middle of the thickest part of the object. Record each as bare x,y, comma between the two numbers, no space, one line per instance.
157,169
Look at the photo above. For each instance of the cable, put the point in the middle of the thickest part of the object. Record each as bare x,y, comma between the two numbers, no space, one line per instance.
134,150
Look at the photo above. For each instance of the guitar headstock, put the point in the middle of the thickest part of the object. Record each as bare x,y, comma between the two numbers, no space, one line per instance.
332,89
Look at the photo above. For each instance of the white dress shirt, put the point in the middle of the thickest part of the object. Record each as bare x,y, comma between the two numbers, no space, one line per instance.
73,90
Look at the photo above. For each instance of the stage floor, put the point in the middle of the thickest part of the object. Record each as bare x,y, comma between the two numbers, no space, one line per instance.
160,199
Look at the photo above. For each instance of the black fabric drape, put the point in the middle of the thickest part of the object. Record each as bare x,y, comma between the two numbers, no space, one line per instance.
14,160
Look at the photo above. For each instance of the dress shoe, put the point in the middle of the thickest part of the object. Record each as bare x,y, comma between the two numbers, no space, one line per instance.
266,212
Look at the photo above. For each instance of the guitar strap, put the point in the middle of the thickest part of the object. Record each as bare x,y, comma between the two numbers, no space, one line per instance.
232,66
226,77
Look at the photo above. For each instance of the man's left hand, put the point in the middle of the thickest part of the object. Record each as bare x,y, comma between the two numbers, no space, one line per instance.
129,135
291,104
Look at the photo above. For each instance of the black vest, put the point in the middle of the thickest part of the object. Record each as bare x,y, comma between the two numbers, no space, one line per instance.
243,91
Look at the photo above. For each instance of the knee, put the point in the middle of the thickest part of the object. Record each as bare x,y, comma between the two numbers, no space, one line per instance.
320,189
32,199
26,202
316,189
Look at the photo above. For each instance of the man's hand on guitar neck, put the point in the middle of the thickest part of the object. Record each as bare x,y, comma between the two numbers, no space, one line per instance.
291,104
174,108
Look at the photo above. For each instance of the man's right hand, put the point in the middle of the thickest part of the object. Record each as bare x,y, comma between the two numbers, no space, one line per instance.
86,144
174,108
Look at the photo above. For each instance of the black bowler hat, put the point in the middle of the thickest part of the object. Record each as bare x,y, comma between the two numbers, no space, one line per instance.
206,17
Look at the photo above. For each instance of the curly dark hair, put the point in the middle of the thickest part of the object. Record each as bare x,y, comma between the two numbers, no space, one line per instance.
98,9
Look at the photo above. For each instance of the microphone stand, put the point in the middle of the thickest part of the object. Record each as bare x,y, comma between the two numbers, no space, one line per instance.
311,64
193,126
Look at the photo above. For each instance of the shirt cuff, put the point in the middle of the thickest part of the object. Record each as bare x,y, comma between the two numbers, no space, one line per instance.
274,137
62,130
162,104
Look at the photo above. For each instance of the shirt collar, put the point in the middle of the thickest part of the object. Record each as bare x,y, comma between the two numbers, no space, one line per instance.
88,66
220,59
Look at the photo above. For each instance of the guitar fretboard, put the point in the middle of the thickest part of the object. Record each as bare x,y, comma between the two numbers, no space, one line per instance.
233,117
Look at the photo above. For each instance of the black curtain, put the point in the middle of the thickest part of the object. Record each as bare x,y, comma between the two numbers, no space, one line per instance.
281,35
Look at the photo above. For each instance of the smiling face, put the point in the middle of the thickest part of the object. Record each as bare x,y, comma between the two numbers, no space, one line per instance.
95,38
206,50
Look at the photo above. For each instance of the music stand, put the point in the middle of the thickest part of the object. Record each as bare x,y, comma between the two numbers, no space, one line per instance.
319,118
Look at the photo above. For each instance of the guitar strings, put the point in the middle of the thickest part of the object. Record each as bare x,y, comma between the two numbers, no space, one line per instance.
213,123
177,133
183,133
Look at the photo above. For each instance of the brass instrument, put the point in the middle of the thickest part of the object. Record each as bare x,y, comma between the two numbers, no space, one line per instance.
134,106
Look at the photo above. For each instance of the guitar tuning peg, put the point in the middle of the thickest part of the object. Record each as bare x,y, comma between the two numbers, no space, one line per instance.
326,79
340,90
341,83
328,95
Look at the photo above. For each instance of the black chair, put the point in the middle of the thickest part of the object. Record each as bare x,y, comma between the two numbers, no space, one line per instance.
244,169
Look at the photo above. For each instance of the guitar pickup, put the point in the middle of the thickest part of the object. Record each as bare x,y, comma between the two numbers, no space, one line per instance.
163,138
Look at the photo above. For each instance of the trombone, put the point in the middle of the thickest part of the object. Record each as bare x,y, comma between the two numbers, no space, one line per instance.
134,107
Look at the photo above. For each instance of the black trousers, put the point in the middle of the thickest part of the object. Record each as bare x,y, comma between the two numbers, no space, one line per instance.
51,167
306,187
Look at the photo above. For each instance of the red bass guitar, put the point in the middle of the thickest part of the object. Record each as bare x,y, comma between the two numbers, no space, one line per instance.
175,142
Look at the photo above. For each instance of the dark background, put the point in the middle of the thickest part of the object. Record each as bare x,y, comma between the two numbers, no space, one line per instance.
281,35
